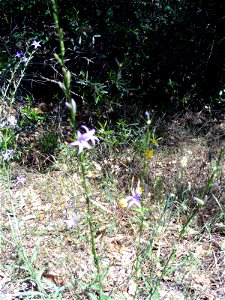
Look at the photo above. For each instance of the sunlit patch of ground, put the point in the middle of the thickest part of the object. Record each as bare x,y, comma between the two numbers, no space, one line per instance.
36,210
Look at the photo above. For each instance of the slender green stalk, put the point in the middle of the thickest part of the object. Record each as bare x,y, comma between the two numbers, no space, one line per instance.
72,105
90,223
61,59
138,253
147,141
59,32
141,226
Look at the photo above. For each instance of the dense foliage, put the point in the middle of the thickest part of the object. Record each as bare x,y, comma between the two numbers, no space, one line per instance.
163,52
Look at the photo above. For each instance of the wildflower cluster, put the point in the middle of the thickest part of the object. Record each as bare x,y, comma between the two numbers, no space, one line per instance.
22,56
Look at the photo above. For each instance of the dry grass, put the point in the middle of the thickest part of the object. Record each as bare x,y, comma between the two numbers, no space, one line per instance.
37,210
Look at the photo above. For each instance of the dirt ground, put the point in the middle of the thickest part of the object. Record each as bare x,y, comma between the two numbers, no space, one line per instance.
33,215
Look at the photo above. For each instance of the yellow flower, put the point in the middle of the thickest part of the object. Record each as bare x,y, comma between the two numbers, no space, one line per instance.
123,202
154,141
149,153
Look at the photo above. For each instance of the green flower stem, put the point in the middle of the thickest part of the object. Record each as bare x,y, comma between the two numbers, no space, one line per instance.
138,252
13,82
141,226
59,32
66,73
90,223
147,140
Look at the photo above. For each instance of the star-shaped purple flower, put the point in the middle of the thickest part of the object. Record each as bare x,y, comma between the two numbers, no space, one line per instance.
90,135
83,139
134,199
24,59
19,54
36,44
7,154
20,180
72,222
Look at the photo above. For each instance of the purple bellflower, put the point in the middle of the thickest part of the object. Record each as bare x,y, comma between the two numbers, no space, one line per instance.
24,59
20,180
19,54
134,199
71,222
147,114
36,44
83,139
11,122
7,155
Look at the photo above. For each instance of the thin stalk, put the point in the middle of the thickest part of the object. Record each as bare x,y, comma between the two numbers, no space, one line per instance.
141,226
138,251
90,223
59,32
66,73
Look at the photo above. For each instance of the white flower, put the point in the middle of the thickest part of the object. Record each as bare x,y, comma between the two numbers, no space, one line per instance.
12,121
